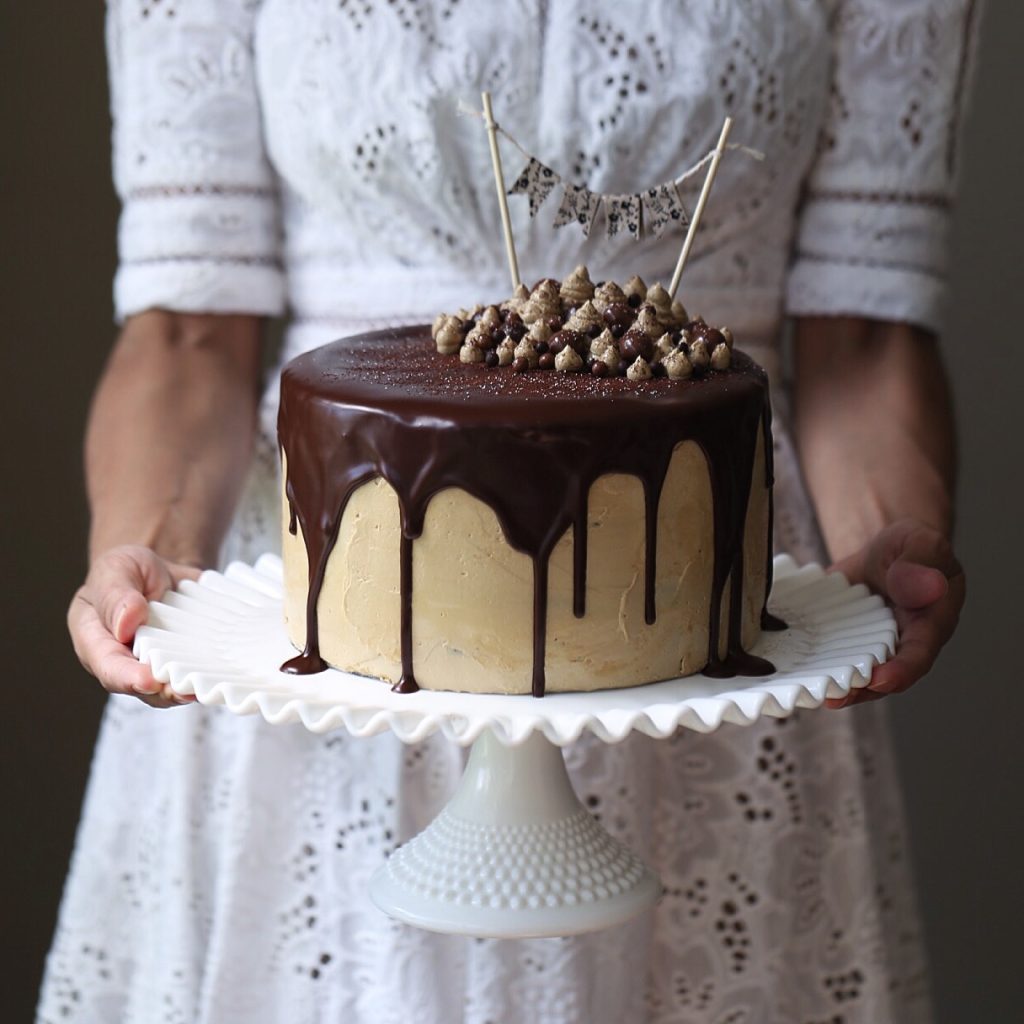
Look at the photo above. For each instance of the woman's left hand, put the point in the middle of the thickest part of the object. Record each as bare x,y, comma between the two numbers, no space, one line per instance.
913,567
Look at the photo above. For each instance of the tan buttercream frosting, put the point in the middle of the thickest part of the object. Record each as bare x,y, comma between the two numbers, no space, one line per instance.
473,593
585,318
663,346
568,361
635,286
544,301
506,352
577,288
678,365
700,357
519,298
639,369
527,349
647,321
449,335
540,330
607,294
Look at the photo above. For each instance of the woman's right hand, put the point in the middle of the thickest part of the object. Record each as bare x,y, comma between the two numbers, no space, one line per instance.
107,610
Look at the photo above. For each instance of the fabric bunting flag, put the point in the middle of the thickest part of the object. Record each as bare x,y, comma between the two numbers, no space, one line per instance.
663,208
535,181
623,215
579,206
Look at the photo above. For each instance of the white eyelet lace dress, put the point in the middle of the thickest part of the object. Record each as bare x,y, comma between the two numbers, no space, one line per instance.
309,155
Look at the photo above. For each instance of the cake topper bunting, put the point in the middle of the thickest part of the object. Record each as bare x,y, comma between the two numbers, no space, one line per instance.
535,181
623,214
662,208
645,213
579,206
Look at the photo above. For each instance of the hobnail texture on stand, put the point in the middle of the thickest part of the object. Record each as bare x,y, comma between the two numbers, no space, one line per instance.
514,854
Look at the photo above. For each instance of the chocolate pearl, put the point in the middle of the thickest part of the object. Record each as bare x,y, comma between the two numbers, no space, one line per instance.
554,321
599,368
515,331
541,347
634,300
512,317
567,337
714,337
491,359
658,369
618,330
492,340
635,344
594,330
676,336
547,361
619,313
520,364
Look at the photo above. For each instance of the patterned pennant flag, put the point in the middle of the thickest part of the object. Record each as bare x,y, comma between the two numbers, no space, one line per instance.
535,181
623,214
579,206
662,207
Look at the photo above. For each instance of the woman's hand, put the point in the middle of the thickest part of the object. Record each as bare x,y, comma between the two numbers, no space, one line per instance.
107,610
913,567
167,450
873,423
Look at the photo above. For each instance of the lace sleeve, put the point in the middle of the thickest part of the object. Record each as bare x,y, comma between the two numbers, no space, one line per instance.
199,221
872,235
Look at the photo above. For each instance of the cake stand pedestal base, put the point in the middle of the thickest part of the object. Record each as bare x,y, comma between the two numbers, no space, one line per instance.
514,854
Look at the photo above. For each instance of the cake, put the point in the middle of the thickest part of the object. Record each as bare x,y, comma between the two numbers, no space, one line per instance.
567,491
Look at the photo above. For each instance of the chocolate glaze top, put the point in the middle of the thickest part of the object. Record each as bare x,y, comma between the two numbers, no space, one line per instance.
528,445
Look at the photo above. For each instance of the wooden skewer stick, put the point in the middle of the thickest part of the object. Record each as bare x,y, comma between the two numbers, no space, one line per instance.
499,182
702,199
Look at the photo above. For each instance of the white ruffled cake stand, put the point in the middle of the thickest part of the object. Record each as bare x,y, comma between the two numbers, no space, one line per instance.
514,854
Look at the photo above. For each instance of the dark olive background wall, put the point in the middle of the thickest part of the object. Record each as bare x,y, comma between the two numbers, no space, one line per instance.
959,735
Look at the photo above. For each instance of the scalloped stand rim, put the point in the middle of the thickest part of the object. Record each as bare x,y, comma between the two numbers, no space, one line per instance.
514,854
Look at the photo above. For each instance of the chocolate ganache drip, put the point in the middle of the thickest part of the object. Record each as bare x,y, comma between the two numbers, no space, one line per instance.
527,445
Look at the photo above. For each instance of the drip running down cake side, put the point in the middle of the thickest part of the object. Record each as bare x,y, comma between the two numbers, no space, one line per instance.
567,491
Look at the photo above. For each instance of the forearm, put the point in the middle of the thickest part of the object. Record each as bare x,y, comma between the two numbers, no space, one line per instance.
170,433
874,428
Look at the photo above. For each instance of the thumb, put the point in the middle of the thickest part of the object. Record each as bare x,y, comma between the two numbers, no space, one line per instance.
132,613
911,585
133,610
